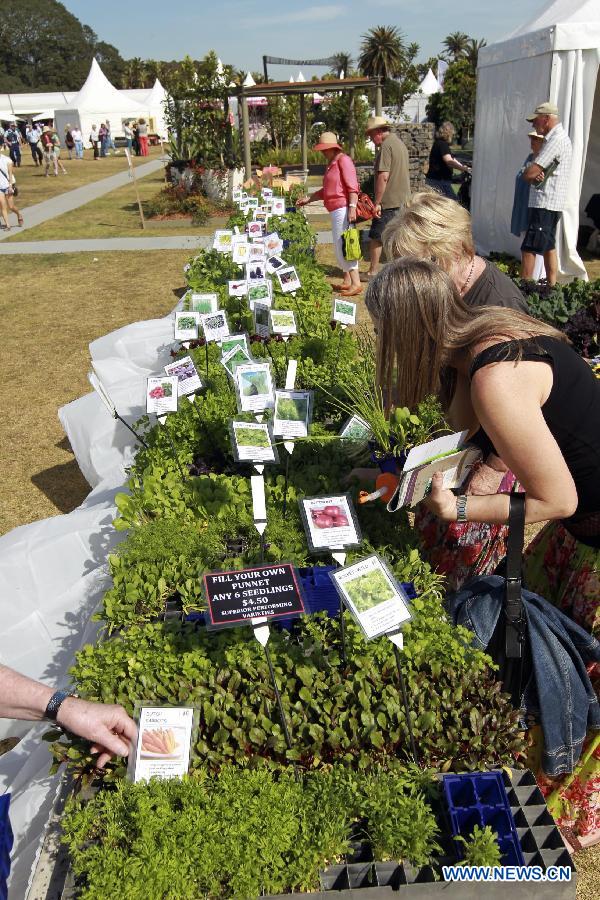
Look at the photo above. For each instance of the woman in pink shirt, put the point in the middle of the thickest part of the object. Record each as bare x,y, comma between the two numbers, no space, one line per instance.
339,194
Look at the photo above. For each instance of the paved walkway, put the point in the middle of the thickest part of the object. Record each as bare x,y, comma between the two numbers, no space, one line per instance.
63,203
101,245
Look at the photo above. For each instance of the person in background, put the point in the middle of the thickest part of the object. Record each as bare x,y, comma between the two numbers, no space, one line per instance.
520,210
143,137
1,137
441,162
13,139
95,141
110,143
48,148
340,196
548,179
392,182
69,141
102,135
77,141
56,155
128,133
7,194
136,138
33,135
108,727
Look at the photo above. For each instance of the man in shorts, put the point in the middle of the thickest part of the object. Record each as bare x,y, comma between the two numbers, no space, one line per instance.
548,179
392,182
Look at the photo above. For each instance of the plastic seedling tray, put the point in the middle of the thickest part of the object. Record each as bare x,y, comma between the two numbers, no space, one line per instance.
6,843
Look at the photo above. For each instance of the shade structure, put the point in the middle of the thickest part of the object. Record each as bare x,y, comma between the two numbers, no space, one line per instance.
553,57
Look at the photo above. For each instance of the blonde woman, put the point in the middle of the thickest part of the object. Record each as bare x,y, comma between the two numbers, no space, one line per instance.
433,227
441,162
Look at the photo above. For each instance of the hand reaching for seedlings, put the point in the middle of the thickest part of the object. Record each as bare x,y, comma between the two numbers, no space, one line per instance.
109,728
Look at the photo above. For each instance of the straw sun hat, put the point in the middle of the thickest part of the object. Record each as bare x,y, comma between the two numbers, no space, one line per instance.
328,141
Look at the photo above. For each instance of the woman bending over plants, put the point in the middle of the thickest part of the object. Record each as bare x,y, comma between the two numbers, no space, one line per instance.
524,394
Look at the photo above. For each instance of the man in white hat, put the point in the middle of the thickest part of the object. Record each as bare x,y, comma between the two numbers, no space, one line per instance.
392,182
548,178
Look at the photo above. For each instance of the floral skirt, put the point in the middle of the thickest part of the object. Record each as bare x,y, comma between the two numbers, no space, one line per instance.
567,573
463,550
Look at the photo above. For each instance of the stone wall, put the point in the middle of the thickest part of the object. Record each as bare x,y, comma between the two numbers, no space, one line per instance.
418,139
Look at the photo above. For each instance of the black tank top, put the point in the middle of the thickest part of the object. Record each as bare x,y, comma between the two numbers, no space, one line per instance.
571,412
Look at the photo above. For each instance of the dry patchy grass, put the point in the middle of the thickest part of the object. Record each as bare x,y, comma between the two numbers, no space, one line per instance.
63,303
35,187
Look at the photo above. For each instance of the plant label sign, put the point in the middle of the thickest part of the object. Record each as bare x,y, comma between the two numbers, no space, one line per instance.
291,417
344,312
257,252
254,386
263,592
161,395
283,321
255,229
237,288
278,206
252,442
274,263
255,271
185,371
259,292
222,241
241,252
330,523
377,603
355,429
273,244
186,326
204,303
288,279
164,740
261,319
235,357
214,325
234,340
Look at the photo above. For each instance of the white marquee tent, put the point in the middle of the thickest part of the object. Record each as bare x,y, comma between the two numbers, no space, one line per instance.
554,57
97,101
415,106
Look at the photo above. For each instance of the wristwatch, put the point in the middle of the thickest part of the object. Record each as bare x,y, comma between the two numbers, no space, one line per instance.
461,508
54,704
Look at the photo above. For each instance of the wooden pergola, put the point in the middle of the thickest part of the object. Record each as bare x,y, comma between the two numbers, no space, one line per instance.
301,89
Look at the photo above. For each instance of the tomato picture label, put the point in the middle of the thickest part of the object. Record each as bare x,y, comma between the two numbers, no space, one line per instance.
330,523
369,590
263,592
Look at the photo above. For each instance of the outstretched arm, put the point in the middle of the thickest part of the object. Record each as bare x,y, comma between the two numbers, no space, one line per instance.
108,727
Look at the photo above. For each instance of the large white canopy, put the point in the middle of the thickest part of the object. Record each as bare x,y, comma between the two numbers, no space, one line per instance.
98,96
554,57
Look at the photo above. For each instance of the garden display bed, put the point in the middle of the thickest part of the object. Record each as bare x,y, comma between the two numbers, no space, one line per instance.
188,512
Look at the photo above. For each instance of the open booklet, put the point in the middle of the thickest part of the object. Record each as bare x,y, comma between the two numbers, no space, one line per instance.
447,455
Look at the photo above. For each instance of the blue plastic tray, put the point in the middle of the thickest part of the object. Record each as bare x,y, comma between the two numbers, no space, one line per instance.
479,798
6,843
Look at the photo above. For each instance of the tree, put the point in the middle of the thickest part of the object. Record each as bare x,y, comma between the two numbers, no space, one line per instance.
457,103
456,44
134,73
471,52
343,64
43,47
382,52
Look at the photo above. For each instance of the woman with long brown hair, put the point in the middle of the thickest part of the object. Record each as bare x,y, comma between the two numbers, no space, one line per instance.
523,393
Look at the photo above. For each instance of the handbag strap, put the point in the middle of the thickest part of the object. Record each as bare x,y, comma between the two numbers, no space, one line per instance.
513,604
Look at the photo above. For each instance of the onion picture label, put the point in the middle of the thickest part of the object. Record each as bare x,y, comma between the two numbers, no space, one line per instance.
330,522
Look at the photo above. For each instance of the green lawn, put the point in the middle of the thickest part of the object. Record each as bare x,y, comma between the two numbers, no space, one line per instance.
35,187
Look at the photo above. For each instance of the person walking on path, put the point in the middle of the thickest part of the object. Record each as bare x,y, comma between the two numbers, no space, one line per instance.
340,195
77,142
128,132
48,148
95,141
548,179
13,139
33,135
69,141
392,182
56,154
7,194
110,143
441,162
143,137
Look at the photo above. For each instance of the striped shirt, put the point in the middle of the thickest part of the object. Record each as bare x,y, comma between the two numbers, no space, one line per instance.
553,195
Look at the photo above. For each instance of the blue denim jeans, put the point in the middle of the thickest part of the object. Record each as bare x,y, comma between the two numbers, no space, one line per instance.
442,187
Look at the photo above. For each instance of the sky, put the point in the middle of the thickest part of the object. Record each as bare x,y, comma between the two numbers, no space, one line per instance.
241,31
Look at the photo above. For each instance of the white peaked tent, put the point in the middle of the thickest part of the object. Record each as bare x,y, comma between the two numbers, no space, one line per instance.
554,57
156,109
97,101
415,106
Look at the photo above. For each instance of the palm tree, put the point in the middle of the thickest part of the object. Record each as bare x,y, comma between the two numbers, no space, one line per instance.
382,52
471,52
134,74
343,64
456,44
